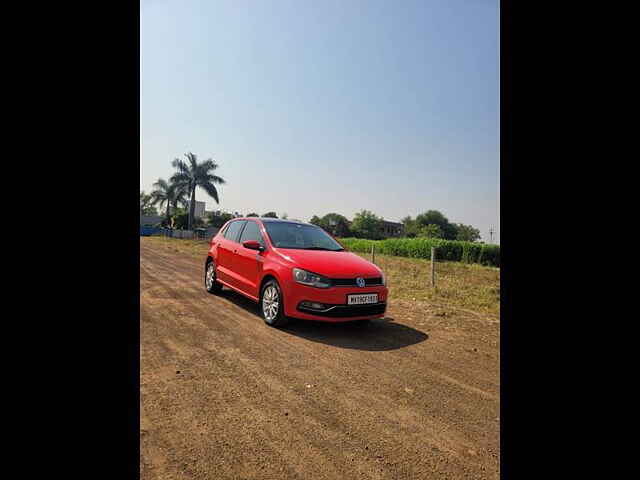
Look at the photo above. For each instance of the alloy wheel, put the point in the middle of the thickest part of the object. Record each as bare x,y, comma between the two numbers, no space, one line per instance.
270,303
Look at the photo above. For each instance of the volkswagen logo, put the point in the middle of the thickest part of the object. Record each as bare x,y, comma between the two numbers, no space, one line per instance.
360,282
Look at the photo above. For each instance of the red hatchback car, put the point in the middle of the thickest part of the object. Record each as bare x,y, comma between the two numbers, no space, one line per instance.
294,270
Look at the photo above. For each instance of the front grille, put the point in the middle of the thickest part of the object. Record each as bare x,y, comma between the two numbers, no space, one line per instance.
351,282
343,311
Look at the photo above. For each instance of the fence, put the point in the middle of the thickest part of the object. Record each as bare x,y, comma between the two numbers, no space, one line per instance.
433,263
147,231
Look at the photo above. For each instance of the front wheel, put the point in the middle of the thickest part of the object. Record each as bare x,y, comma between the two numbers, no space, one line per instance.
271,305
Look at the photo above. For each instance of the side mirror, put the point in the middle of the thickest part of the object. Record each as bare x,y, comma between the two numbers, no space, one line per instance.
253,245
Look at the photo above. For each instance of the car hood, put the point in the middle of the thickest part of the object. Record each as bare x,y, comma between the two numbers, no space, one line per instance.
340,264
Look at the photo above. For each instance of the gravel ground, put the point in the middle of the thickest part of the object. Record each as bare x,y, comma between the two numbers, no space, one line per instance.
415,395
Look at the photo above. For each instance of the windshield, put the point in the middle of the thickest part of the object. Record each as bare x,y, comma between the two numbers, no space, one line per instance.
300,236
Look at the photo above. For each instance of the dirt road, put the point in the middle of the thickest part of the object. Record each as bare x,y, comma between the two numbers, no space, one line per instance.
223,396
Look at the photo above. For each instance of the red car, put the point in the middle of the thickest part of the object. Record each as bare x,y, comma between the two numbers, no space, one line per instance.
294,270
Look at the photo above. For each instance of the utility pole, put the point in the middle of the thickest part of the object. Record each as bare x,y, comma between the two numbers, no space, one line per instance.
491,235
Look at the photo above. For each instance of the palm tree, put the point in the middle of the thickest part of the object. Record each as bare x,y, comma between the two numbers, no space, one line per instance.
169,194
192,174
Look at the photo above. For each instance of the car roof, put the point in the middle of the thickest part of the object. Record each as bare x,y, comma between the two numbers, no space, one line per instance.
272,220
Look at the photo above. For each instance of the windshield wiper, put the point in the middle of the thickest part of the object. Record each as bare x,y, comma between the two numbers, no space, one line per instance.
323,248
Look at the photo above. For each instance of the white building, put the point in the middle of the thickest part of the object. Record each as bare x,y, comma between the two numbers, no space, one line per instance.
199,210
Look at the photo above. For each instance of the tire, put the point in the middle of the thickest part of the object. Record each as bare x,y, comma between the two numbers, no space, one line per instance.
211,284
272,305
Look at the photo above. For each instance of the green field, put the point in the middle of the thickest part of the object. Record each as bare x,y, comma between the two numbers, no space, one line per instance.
449,250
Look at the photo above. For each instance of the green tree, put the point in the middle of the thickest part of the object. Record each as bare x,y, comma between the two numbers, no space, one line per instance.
219,220
431,231
176,213
336,224
252,214
434,217
146,204
180,219
191,174
315,220
270,215
467,233
168,194
366,224
411,228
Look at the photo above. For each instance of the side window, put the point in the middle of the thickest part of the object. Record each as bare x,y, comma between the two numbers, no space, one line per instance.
251,232
233,230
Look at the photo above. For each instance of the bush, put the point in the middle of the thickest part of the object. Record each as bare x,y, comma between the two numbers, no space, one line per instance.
448,250
471,252
490,255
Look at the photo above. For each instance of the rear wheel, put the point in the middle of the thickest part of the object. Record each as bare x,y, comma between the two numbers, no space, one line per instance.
271,305
210,282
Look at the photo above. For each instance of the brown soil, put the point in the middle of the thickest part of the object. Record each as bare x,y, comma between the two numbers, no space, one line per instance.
223,396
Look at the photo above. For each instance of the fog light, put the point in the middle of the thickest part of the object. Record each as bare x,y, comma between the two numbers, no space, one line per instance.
313,305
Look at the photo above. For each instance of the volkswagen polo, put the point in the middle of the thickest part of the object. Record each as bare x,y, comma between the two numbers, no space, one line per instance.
294,270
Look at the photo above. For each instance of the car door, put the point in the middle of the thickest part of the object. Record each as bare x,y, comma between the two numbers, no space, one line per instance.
249,262
227,250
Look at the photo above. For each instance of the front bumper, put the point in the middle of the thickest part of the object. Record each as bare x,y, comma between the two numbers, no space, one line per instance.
335,299
344,311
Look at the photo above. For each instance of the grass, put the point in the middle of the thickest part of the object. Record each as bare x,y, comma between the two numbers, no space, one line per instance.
195,248
458,285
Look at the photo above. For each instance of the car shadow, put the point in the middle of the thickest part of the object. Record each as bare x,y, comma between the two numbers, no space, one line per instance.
379,335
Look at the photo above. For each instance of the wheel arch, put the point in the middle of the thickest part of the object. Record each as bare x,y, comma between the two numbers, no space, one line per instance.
267,276
278,273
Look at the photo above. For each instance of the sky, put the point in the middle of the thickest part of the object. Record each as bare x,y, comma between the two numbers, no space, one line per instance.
312,107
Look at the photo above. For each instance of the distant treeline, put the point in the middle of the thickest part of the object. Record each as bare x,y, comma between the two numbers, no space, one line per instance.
366,224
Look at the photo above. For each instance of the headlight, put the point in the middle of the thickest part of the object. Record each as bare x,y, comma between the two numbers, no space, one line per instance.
384,279
311,279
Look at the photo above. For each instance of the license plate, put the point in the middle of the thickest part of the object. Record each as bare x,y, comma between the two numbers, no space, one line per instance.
362,299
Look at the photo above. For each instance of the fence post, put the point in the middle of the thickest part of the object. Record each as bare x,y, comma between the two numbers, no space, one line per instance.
373,253
433,271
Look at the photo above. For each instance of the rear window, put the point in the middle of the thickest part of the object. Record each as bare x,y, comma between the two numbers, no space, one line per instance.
233,229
